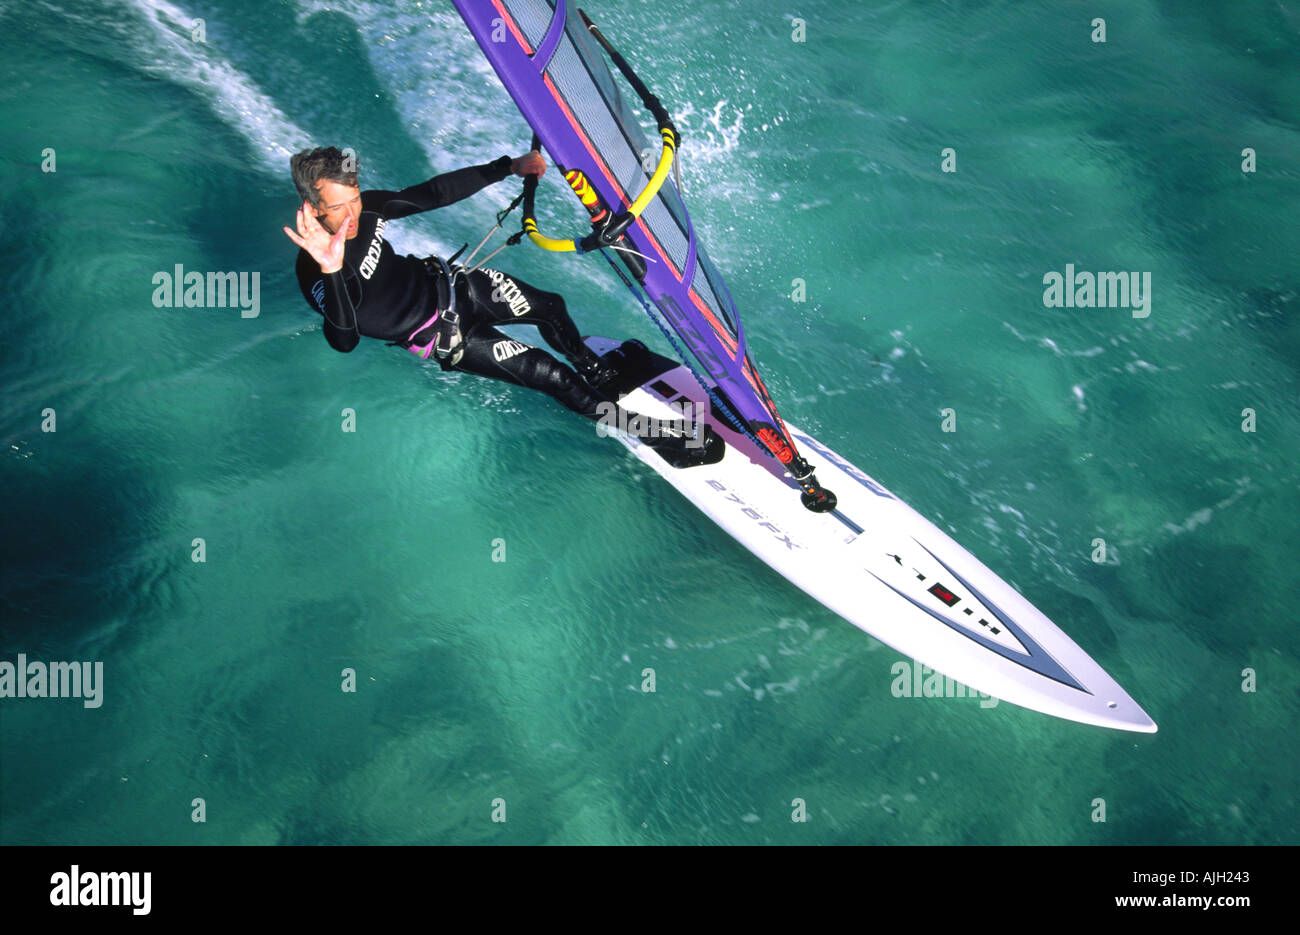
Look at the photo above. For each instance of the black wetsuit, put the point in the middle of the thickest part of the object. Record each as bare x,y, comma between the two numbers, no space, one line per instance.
378,294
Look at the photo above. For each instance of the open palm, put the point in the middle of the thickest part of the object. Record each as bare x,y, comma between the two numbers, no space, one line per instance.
324,247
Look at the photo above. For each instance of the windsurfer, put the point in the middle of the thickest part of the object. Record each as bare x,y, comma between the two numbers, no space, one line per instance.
349,273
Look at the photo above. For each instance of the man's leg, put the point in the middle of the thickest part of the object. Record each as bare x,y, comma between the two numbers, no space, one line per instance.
507,300
489,353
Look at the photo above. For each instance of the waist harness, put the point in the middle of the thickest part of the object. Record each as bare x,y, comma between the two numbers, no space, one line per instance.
440,335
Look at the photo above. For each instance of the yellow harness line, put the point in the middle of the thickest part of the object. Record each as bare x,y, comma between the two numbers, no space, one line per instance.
642,200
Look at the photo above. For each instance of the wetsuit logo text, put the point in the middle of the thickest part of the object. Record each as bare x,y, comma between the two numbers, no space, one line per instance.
374,251
504,350
507,292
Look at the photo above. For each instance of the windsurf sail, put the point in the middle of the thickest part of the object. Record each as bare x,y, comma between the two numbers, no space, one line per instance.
556,65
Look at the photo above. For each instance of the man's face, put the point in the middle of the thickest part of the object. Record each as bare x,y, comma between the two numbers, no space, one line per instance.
339,204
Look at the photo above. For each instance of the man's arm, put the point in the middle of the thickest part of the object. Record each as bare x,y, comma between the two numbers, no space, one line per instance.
340,314
328,294
320,264
450,187
439,191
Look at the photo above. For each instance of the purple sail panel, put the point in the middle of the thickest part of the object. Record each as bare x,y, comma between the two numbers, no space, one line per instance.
558,76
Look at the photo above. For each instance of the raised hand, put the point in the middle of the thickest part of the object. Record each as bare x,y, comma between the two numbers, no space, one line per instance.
325,249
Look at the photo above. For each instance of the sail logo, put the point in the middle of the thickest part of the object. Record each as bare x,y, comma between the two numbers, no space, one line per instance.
690,334
376,249
776,445
76,888
1098,290
508,293
504,350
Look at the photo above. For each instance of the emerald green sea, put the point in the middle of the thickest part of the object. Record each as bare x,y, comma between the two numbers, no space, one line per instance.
137,438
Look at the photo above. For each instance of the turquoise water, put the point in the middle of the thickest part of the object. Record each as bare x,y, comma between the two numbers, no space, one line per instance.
521,680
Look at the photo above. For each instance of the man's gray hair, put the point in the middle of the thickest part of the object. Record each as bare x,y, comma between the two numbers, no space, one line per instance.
329,163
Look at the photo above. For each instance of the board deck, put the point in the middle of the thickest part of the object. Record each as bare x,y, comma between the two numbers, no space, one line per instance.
874,560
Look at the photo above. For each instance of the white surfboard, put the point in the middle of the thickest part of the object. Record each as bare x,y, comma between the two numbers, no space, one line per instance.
875,561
